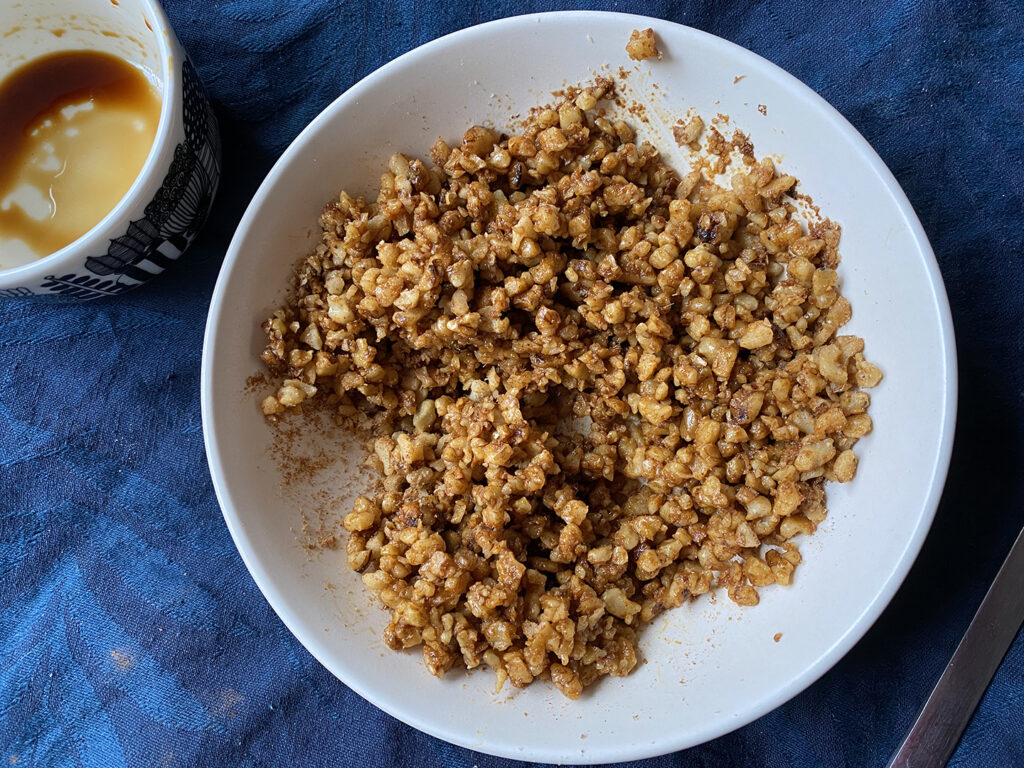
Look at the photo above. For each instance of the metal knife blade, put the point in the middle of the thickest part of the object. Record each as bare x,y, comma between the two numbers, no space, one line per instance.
942,720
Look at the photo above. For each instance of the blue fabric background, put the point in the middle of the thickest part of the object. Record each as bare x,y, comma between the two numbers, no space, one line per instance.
131,632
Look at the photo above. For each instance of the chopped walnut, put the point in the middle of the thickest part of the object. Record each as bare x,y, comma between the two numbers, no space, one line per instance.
642,45
688,132
593,389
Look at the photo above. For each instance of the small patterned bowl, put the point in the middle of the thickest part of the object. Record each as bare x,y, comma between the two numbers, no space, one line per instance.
163,210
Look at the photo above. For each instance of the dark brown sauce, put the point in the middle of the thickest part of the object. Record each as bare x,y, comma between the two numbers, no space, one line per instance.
114,93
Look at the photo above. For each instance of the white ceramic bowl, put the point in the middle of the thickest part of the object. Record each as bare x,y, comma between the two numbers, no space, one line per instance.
710,666
162,211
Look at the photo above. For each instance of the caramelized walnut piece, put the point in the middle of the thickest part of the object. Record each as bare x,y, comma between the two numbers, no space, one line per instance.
642,45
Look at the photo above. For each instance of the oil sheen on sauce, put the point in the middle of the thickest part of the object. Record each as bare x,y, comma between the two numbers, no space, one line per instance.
75,130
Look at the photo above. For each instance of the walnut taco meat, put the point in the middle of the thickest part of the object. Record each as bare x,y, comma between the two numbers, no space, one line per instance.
592,388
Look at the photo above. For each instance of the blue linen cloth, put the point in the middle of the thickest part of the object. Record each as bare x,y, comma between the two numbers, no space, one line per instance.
131,633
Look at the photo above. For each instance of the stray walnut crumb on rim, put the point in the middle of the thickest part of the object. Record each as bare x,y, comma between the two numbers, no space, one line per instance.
642,45
592,388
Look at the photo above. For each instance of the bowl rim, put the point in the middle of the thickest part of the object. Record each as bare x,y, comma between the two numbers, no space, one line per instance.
828,658
170,92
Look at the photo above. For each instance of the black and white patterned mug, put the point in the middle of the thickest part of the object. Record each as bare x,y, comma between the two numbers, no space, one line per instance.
163,210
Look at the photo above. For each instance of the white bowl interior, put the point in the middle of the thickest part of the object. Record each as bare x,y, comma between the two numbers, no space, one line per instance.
710,666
